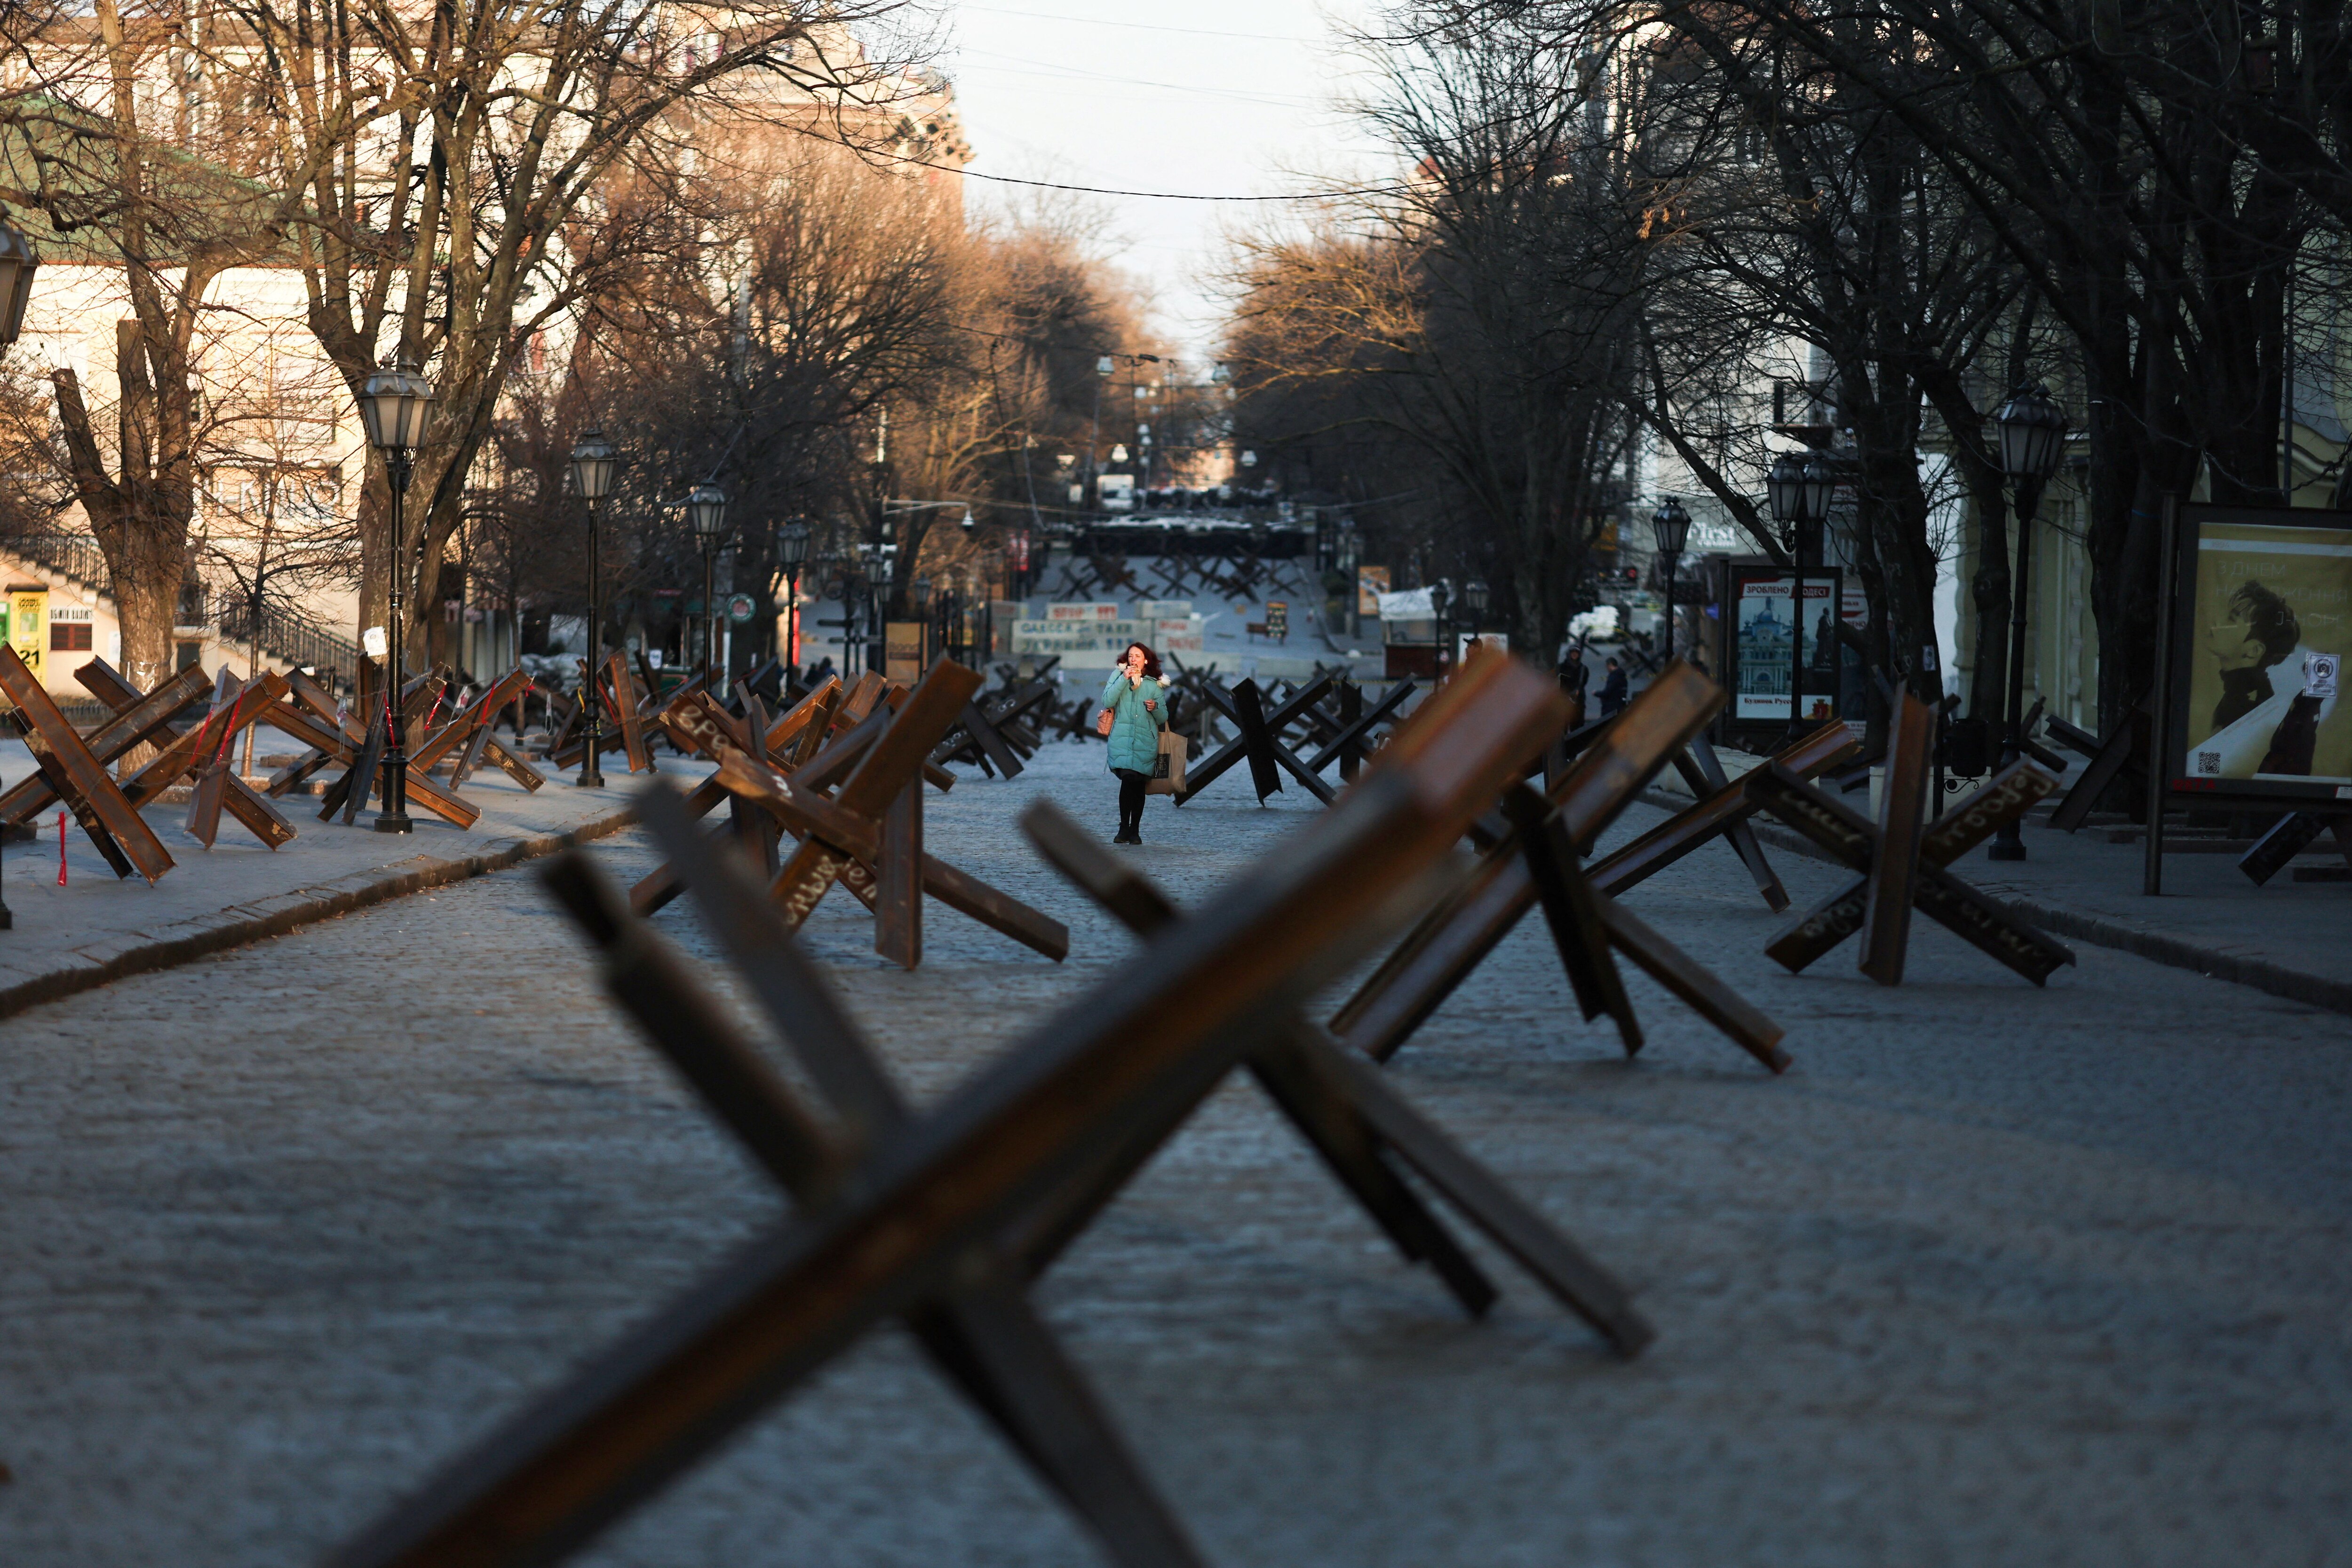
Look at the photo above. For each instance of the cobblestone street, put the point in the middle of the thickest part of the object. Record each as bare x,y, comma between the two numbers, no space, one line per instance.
1991,1276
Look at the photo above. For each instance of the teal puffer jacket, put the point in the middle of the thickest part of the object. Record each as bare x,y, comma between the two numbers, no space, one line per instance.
1135,729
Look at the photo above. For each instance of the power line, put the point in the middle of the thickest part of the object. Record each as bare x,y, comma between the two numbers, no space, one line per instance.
1146,27
1277,100
875,155
1151,196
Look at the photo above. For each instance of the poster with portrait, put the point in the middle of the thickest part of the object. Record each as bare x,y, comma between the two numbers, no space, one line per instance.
1764,639
2261,628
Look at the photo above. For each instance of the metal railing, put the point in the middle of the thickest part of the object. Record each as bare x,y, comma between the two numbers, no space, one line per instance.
285,635
74,555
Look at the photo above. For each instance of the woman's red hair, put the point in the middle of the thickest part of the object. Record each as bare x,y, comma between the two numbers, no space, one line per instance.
1150,660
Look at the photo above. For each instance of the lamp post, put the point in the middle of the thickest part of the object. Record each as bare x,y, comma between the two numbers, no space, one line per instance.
1351,546
18,264
1474,603
706,507
792,555
395,405
1670,531
1103,368
2032,439
1438,595
1798,490
593,462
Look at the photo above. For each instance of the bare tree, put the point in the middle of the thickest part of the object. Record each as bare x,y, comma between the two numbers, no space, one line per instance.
1487,315
95,151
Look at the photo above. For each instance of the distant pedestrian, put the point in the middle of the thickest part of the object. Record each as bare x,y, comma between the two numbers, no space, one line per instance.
821,671
1613,691
1573,678
1135,709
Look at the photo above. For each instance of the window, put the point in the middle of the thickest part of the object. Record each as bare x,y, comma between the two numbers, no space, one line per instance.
69,636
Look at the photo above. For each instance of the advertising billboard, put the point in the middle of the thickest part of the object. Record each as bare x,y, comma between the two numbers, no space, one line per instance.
2262,626
1763,641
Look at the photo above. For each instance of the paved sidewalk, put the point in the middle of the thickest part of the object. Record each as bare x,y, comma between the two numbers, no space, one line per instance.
2291,938
96,928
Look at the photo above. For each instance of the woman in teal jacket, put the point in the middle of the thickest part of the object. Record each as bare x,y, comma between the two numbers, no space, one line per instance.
1135,696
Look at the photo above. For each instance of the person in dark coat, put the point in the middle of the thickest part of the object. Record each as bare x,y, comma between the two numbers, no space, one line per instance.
1573,678
1613,691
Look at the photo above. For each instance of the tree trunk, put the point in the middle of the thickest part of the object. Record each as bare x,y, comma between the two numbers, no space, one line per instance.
143,538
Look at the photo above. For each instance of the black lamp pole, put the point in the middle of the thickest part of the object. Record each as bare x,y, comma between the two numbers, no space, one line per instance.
2032,439
1670,525
706,507
17,263
1437,598
395,406
791,553
594,460
1798,490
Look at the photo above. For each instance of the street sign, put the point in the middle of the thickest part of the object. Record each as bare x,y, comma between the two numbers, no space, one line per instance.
740,608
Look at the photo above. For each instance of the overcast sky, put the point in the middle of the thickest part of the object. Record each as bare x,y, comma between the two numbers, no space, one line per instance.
1213,98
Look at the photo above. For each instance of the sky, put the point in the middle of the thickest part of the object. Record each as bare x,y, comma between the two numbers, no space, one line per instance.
1214,97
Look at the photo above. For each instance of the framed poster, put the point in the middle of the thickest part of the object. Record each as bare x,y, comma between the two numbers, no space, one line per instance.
2262,626
903,650
1762,637
27,614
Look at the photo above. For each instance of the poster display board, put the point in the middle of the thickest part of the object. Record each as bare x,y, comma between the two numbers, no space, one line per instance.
904,650
1763,641
28,624
2262,625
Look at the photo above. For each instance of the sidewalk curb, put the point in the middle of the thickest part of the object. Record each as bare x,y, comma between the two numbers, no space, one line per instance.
2294,984
185,942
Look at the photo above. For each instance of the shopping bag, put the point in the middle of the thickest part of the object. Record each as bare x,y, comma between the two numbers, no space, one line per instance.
1168,768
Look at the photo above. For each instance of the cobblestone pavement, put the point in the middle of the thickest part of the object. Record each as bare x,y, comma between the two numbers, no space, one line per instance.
1993,1277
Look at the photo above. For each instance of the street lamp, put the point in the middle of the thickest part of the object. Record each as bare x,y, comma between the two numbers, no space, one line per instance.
1798,490
593,462
1474,603
395,406
792,555
17,265
1670,530
1103,368
2032,441
706,507
1350,548
1438,595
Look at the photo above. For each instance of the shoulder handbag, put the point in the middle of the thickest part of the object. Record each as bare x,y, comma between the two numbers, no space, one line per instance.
1102,724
